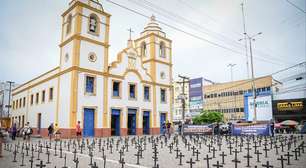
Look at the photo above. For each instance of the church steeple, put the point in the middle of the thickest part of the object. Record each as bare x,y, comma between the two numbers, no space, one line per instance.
93,3
153,27
155,50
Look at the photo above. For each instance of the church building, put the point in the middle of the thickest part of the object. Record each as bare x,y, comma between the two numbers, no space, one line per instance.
130,96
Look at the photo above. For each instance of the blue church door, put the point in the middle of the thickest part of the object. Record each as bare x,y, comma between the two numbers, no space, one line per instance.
132,121
146,122
115,123
89,120
162,123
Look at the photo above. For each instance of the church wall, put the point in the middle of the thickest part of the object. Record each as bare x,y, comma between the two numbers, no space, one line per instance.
125,102
162,107
102,26
91,101
165,69
66,49
89,48
147,66
46,109
64,100
36,81
16,110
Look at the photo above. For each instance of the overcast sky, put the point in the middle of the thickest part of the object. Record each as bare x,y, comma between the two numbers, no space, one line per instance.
31,29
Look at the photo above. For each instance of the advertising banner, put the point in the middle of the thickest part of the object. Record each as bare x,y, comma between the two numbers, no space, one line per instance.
258,129
197,129
263,107
196,96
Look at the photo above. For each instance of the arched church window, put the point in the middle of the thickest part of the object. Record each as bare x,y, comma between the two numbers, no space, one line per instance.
162,49
69,20
93,23
143,49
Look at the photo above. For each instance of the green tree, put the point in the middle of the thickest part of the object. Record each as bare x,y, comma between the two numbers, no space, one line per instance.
206,117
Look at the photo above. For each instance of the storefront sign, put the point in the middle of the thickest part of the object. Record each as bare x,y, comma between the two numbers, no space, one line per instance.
197,129
290,106
259,129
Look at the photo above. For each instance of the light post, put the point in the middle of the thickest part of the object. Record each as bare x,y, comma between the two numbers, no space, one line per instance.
9,98
2,105
252,38
231,66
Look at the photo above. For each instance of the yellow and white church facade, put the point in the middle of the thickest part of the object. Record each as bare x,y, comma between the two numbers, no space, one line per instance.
130,96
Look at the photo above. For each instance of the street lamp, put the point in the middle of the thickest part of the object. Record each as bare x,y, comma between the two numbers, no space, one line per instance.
231,66
252,38
9,98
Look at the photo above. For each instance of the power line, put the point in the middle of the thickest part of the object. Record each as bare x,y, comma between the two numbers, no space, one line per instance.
249,80
201,13
191,34
299,64
257,50
199,28
294,5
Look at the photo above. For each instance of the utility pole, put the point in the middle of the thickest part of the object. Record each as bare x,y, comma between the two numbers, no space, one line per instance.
184,80
252,38
2,104
9,98
245,41
231,66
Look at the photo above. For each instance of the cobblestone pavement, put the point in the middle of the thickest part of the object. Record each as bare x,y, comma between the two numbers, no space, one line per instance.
165,148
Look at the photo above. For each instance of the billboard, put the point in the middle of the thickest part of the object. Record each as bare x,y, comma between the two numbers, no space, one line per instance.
195,96
198,129
263,107
258,129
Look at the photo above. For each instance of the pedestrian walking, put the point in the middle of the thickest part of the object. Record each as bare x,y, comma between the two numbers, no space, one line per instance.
163,132
27,132
1,139
272,129
14,131
180,125
168,128
50,131
78,129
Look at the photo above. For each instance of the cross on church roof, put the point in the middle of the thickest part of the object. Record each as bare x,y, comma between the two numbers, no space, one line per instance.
130,33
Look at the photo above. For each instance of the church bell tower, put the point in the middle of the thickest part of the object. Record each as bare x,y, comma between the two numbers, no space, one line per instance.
155,50
83,51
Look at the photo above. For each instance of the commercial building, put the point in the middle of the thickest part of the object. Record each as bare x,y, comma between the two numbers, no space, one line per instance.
289,96
130,96
228,97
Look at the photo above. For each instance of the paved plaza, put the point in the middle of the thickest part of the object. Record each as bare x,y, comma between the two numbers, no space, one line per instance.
159,151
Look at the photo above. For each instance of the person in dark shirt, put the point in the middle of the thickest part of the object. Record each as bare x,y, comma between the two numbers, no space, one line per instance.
50,131
14,131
